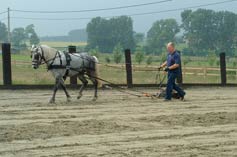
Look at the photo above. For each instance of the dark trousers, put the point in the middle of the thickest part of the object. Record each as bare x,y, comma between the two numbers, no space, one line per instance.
171,85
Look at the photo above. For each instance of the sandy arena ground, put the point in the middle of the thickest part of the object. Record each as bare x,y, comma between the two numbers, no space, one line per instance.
118,125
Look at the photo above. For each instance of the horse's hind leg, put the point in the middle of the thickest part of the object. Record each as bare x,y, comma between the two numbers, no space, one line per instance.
95,83
84,84
65,90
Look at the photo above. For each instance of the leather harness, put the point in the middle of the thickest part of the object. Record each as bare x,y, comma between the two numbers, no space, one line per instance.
68,64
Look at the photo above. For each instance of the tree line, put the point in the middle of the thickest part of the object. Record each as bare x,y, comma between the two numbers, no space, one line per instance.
207,30
76,35
106,34
19,36
202,32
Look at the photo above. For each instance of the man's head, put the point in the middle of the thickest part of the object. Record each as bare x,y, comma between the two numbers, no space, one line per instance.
170,47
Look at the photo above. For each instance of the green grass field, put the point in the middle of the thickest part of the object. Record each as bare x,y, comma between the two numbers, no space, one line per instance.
24,74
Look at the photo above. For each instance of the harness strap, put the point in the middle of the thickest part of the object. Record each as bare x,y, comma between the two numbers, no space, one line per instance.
83,62
68,65
68,58
60,58
42,56
50,67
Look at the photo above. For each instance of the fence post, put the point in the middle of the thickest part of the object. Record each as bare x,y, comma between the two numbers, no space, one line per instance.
6,64
73,49
223,68
180,77
128,64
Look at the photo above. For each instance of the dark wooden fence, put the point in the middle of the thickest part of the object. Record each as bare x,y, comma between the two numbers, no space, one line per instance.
7,75
7,70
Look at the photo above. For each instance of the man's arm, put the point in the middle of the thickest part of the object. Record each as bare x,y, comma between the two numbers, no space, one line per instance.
175,66
164,64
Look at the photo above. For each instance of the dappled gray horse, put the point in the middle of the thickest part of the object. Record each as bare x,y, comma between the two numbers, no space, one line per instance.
63,64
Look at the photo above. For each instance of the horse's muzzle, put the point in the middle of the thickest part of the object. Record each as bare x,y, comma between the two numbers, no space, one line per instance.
35,66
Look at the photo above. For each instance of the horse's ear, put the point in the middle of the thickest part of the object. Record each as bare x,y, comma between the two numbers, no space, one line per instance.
33,46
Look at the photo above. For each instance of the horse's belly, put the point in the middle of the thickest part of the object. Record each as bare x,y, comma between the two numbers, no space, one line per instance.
72,73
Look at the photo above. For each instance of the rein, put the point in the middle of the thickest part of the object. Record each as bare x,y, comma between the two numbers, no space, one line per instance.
119,88
42,57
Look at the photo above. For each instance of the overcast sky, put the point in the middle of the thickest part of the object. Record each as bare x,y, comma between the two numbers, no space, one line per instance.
141,23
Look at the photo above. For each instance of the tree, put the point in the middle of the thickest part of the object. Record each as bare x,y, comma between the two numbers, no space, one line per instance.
98,33
199,29
226,28
3,32
206,30
107,59
21,35
211,58
234,63
117,52
95,52
162,32
34,39
149,60
106,34
217,62
31,35
139,55
186,60
138,37
19,38
163,57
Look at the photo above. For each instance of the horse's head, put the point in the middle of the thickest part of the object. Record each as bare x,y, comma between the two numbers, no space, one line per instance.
37,56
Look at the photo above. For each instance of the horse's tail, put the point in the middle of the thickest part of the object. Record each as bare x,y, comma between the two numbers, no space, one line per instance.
97,71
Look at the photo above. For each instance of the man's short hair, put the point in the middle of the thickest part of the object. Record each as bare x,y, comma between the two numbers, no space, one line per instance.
171,44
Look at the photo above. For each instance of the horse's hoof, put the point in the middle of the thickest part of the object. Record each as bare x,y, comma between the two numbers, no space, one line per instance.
79,96
69,99
52,101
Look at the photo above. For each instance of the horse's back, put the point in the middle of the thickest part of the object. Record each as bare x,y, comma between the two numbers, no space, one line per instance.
83,61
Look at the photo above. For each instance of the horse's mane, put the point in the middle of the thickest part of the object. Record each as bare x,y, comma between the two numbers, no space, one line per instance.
49,51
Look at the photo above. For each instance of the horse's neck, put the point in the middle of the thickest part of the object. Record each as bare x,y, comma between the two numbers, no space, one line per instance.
49,54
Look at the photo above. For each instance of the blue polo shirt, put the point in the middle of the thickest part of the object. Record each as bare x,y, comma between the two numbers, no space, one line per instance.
172,59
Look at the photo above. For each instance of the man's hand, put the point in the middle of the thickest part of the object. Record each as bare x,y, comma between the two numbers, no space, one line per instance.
163,65
167,69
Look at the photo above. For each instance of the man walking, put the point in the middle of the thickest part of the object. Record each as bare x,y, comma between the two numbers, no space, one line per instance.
172,65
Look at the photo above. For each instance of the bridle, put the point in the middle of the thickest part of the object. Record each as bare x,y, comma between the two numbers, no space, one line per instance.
42,57
39,58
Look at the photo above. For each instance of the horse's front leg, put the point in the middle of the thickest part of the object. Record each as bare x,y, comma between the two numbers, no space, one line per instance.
57,82
65,90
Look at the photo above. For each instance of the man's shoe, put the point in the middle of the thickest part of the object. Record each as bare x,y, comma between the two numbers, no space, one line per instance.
167,100
182,97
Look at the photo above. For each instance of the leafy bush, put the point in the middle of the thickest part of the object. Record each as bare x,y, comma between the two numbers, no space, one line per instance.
117,53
